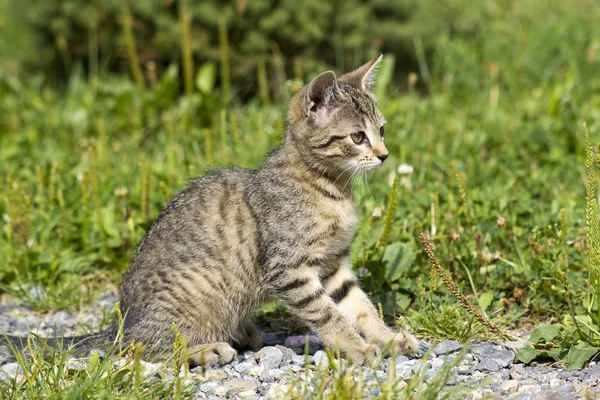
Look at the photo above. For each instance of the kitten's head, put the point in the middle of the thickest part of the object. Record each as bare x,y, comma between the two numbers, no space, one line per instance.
335,123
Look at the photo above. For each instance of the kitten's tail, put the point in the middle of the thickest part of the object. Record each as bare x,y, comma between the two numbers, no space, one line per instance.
79,345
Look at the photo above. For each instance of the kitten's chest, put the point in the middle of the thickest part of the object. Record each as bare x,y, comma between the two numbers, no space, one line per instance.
336,226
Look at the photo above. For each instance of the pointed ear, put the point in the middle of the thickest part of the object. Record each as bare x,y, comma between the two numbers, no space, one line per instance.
364,77
321,98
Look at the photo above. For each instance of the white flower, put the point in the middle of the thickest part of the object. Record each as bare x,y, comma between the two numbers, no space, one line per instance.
405,169
377,212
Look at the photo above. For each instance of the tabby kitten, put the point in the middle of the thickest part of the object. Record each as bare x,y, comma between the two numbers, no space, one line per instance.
237,238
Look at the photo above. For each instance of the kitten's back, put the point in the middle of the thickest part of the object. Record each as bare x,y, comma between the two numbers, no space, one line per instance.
197,262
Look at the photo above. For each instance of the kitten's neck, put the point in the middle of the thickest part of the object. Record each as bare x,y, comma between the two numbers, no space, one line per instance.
295,163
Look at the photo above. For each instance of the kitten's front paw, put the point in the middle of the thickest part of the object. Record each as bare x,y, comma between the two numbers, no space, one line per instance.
365,354
398,343
406,343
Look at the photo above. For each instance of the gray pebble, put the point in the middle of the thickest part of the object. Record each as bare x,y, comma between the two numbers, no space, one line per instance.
406,369
298,343
320,357
276,374
424,347
522,396
447,347
244,368
240,385
62,319
301,360
248,395
28,323
288,354
488,365
270,357
549,395
400,359
265,376
37,292
209,387
10,371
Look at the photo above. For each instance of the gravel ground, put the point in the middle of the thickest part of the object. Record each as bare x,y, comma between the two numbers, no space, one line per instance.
270,371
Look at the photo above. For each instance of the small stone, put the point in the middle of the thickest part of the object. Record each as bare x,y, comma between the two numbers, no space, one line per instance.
529,386
400,359
37,292
150,369
320,358
509,386
217,375
480,350
244,368
101,353
301,360
28,323
517,371
295,368
269,357
221,391
436,363
62,319
287,354
554,383
579,387
277,392
256,371
463,370
527,382
447,347
548,395
240,385
488,365
424,347
564,388
276,374
504,358
120,363
474,395
209,387
298,343
76,365
516,345
522,396
248,395
11,371
406,369
265,376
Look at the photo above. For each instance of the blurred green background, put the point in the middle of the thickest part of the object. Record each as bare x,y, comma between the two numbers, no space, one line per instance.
529,42
107,107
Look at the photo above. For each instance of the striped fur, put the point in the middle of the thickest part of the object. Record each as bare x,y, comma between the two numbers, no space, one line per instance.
237,238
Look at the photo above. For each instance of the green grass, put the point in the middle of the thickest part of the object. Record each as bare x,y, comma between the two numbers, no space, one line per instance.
499,181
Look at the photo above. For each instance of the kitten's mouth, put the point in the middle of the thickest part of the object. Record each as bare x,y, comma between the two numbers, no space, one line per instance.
370,165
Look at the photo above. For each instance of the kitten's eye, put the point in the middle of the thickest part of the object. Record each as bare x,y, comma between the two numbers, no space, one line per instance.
381,131
359,137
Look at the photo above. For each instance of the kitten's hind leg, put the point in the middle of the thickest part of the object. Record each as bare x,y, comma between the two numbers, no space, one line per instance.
219,353
249,336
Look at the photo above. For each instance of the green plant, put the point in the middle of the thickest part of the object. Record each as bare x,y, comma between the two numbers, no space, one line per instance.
56,373
335,380
577,339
